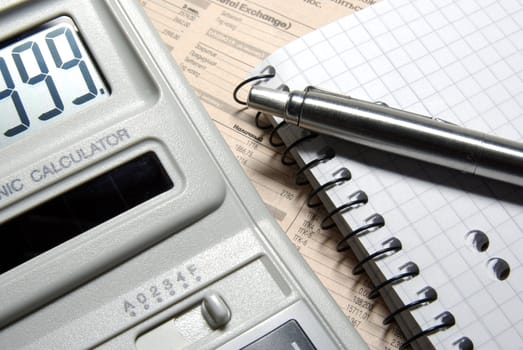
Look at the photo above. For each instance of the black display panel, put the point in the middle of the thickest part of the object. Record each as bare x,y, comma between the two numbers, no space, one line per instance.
80,209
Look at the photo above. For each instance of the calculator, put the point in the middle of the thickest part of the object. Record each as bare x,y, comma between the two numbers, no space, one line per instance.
125,221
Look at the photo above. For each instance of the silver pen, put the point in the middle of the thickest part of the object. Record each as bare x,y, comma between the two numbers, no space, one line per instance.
393,130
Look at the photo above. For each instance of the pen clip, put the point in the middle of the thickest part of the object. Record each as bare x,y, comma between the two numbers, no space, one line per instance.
438,119
380,103
311,88
330,93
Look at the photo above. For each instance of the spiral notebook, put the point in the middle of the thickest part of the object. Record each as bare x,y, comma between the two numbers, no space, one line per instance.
443,249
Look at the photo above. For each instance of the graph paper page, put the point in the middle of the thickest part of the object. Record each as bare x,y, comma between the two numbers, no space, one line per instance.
461,61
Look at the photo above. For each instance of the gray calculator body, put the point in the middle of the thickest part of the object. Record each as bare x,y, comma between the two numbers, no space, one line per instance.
196,262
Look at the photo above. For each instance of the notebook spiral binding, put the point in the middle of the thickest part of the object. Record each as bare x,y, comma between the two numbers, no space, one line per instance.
374,222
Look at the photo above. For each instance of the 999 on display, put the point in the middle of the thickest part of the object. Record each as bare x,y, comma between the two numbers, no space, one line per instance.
45,75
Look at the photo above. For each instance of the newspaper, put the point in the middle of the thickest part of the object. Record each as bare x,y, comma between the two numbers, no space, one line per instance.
216,44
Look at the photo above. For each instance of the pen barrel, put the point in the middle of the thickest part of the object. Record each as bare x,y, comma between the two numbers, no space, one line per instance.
407,134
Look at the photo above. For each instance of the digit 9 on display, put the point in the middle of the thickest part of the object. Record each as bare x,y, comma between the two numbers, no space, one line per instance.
45,77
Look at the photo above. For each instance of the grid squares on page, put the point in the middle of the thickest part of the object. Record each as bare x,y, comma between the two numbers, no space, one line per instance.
435,274
485,80
297,46
516,243
508,26
427,64
513,130
498,95
495,11
493,34
466,99
449,295
469,283
393,80
345,23
314,38
517,124
422,255
439,82
498,322
375,90
444,56
441,247
513,84
514,259
381,9
358,35
424,7
400,192
305,59
472,64
404,34
339,42
508,338
288,69
332,30
457,235
502,292
346,82
399,56
470,5
336,66
391,20
446,216
352,58
453,97
480,332
410,73
322,50
469,313
512,308
405,94
364,74
476,41
457,72
380,65
483,298
515,10
478,221
496,214
316,70
469,86
427,227
505,48
415,50
375,27
455,265
370,50
437,20
296,82
480,19
464,207
414,210
512,207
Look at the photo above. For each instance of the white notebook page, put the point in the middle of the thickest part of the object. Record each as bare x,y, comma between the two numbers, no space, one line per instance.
459,60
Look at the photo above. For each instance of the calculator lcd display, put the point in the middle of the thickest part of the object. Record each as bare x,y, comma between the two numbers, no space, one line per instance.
45,77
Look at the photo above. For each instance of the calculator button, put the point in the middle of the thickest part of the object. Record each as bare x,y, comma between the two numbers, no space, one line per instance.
215,311
288,336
